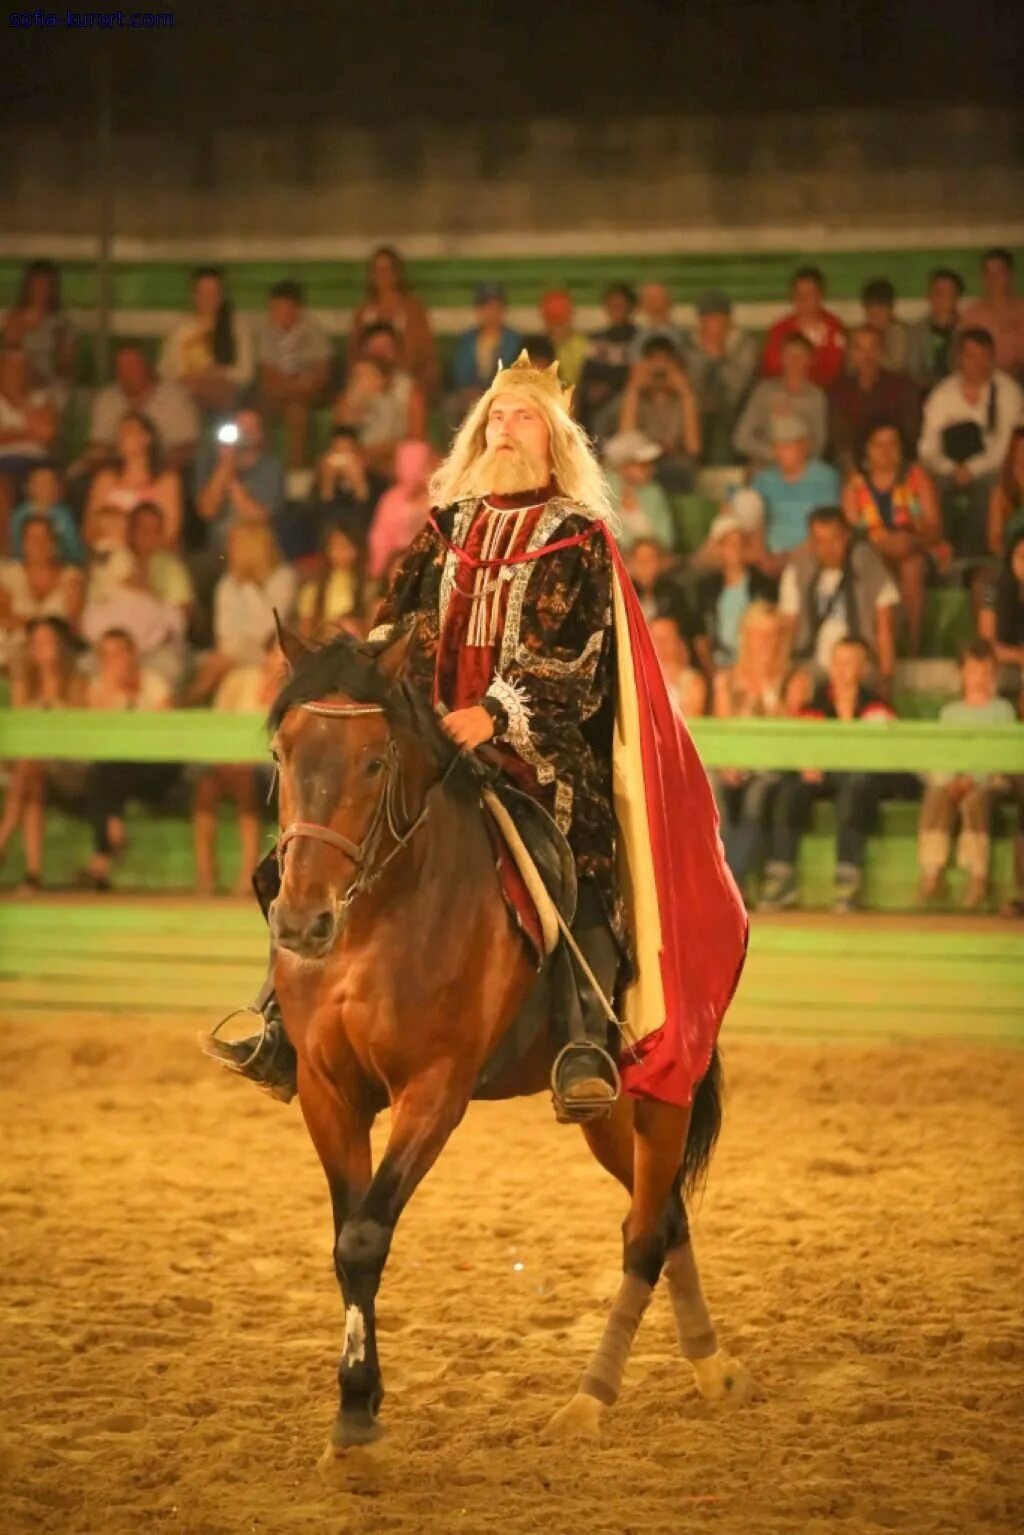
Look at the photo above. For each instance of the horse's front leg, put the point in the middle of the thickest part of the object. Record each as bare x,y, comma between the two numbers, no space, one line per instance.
424,1115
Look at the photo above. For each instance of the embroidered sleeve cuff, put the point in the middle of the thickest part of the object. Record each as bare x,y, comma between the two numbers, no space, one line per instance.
382,632
512,700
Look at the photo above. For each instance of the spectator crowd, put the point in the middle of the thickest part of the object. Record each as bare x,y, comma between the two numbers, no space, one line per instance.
253,469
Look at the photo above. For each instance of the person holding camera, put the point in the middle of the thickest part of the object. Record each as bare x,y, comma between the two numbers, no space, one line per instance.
660,401
345,489
239,479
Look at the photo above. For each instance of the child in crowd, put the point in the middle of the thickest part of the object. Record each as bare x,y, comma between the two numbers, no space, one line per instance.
334,600
44,497
403,509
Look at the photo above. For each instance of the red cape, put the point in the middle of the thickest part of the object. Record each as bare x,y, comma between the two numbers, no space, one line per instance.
704,927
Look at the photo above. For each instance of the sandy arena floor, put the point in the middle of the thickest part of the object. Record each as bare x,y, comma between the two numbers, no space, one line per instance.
171,1320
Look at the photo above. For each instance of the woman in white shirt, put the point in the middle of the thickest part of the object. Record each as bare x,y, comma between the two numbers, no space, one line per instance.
257,582
209,352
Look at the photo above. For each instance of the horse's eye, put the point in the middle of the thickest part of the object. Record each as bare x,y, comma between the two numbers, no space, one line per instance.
374,766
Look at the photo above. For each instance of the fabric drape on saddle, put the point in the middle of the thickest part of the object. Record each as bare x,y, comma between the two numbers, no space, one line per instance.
687,917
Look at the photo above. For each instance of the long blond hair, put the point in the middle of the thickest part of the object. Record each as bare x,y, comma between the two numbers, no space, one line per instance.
252,553
573,465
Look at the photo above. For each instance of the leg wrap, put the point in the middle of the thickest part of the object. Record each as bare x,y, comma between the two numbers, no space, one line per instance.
603,1375
694,1327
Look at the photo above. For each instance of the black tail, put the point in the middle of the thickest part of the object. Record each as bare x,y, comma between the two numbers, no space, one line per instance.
705,1123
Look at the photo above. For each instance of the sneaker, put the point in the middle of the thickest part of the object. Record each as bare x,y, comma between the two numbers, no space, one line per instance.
779,891
849,885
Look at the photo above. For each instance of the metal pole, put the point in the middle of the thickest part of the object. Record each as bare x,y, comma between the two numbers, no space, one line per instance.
105,177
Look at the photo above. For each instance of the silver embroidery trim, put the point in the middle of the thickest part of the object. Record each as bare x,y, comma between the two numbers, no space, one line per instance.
460,527
550,518
563,805
382,632
514,699
547,666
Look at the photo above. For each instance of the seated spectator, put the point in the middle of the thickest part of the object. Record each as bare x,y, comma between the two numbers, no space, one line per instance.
245,689
334,600
1006,503
346,491
47,678
752,688
136,388
239,482
654,320
878,301
38,585
110,562
790,394
1001,621
790,490
37,325
137,475
730,587
209,352
892,502
294,356
382,401
255,585
845,696
117,598
662,595
687,684
569,347
660,402
930,340
720,361
28,426
157,570
390,301
479,350
969,796
1000,311
968,422
824,330
44,497
121,682
403,509
834,589
868,393
606,370
642,505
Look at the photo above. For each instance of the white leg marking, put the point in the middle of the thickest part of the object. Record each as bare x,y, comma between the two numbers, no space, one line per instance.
354,1351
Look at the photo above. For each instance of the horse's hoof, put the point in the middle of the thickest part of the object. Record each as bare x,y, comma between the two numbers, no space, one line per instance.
353,1429
578,1419
722,1379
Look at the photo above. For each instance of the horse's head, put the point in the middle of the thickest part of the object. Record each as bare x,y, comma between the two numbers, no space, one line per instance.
342,783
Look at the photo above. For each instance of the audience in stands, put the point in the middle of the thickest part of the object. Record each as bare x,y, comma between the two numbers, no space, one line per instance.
930,340
28,426
294,355
47,677
824,330
720,361
37,325
835,589
569,346
402,510
157,569
346,491
479,350
1001,621
163,402
790,490
657,581
137,474
256,584
869,392
892,502
334,599
382,401
660,402
878,301
1006,503
654,320
844,696
390,301
44,497
968,421
643,507
606,369
39,584
967,796
687,684
240,481
730,587
790,394
1000,311
209,352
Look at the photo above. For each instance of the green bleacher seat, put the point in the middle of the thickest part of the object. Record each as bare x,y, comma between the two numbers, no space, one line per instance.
693,516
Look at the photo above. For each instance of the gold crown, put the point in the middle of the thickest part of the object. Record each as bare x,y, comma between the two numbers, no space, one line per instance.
522,371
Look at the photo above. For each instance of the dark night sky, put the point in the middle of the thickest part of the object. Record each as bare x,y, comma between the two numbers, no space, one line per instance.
229,63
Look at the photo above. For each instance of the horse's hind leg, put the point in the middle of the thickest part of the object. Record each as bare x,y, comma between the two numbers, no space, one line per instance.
719,1377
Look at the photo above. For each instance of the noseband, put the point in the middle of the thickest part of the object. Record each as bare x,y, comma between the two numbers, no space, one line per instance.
388,811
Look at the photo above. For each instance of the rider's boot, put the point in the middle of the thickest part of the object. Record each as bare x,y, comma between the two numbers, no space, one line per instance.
585,1079
267,1058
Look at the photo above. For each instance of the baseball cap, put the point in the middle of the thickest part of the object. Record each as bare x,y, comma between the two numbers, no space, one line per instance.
488,292
713,301
725,522
789,429
632,447
747,508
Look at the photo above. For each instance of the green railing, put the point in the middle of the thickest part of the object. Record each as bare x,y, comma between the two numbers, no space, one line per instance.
177,735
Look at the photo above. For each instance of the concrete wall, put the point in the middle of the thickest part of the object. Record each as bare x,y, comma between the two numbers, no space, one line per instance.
882,169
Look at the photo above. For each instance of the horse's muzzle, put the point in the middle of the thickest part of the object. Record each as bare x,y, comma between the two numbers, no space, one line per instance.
310,934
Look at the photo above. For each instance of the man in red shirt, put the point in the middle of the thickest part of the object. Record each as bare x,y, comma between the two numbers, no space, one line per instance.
824,330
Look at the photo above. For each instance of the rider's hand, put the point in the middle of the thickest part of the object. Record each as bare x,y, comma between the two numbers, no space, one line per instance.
469,727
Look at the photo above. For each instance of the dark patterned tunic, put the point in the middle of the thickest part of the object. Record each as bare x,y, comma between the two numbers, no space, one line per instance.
533,641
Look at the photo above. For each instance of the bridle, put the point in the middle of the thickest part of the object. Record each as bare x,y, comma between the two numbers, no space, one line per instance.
389,812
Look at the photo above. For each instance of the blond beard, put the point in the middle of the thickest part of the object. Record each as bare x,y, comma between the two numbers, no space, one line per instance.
505,472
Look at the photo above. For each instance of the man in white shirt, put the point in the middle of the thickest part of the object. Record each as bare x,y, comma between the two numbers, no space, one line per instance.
163,402
968,422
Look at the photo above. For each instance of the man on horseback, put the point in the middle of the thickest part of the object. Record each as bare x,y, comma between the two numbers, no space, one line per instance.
528,642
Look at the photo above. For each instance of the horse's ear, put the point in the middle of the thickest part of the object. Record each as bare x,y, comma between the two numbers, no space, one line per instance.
293,648
391,662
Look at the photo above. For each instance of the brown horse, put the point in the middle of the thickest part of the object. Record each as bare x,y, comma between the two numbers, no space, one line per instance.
398,972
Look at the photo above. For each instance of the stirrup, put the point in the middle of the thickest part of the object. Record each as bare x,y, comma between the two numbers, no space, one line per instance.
599,1096
236,1055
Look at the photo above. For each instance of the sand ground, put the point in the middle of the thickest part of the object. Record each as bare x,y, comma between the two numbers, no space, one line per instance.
171,1322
